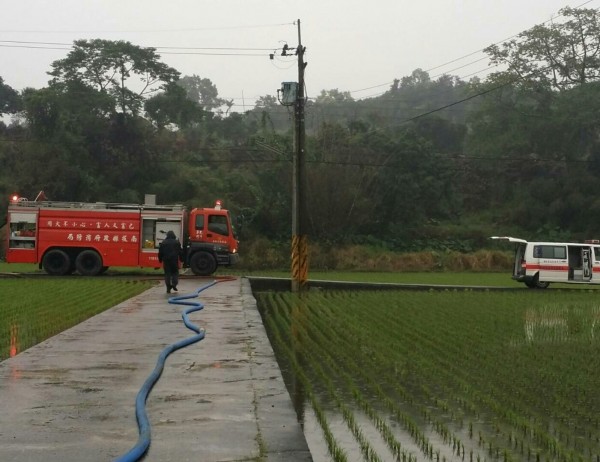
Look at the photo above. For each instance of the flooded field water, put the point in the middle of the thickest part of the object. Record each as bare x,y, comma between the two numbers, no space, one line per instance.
453,376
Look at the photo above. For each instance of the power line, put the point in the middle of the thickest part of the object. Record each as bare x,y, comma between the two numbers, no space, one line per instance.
116,31
34,47
461,58
362,163
42,45
35,43
461,158
489,90
460,67
263,55
157,47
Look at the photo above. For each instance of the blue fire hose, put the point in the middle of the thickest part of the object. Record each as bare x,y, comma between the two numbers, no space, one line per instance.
143,442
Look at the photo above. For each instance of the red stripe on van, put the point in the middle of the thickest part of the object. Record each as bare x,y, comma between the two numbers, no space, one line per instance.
532,266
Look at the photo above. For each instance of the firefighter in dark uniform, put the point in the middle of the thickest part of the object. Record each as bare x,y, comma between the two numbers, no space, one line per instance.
169,254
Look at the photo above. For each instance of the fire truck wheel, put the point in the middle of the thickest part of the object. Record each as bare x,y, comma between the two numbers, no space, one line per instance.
56,262
203,264
88,263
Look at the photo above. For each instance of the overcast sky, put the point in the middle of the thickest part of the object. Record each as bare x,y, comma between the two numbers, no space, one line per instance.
351,45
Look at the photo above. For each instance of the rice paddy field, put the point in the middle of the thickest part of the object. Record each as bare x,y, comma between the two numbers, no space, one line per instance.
451,375
442,375
33,310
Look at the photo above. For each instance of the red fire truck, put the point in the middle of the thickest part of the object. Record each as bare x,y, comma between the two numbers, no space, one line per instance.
63,237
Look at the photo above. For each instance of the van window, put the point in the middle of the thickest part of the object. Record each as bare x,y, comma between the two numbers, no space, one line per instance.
597,254
550,251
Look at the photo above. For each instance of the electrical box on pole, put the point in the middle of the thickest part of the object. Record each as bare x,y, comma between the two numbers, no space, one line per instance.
289,93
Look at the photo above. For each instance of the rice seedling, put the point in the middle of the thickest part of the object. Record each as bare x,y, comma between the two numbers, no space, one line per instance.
498,376
34,310
336,452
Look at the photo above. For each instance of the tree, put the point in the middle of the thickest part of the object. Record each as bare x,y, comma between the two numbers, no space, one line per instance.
270,115
342,171
203,92
108,67
266,102
173,107
70,108
559,56
333,96
418,77
415,187
9,99
537,132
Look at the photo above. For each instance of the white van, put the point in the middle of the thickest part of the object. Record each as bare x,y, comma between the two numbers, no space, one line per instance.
537,264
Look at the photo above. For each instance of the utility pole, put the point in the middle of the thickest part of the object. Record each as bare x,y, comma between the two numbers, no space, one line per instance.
293,95
299,205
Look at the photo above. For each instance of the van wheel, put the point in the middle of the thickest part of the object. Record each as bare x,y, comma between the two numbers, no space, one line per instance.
56,262
536,284
203,264
88,263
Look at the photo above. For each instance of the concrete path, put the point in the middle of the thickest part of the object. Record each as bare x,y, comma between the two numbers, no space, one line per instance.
72,397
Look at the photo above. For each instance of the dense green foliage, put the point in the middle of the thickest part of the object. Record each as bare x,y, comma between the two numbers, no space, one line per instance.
28,317
430,164
440,376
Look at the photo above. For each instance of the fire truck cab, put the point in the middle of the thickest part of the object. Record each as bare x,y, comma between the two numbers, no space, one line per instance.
64,237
